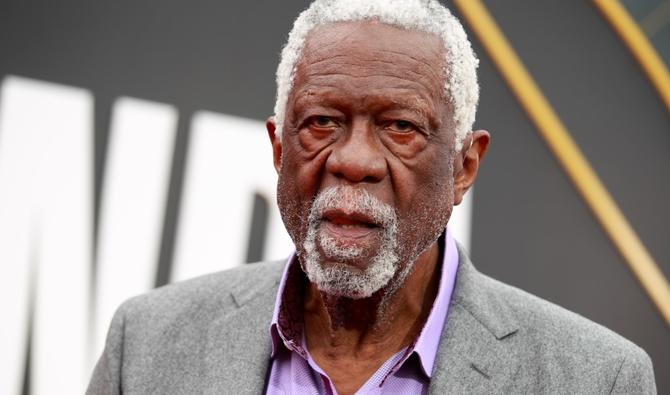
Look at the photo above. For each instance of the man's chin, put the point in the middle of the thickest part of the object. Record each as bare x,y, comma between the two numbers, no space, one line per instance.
356,265
350,278
355,255
336,289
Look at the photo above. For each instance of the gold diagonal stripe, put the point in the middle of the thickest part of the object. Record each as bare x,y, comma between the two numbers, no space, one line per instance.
568,154
638,45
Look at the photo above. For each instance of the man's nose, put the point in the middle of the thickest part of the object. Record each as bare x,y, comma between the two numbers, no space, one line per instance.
359,156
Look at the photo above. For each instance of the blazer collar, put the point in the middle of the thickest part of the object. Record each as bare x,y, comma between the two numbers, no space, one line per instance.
475,354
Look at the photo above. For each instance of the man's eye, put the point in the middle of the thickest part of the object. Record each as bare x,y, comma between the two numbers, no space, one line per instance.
401,126
321,121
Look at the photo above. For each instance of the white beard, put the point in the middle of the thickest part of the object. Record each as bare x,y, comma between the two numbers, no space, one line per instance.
340,279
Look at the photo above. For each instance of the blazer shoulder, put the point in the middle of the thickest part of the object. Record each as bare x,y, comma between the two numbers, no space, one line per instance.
548,349
553,333
154,335
208,292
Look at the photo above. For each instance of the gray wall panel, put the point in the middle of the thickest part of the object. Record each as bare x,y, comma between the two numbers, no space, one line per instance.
559,251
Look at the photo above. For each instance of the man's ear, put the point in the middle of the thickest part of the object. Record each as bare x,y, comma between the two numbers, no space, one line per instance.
466,162
275,140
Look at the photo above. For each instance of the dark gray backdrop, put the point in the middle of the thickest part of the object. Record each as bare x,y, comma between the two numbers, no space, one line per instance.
530,228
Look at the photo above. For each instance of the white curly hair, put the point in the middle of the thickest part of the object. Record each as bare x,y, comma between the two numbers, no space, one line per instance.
428,16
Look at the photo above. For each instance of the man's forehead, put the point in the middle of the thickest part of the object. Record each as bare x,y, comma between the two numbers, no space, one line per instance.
363,37
407,60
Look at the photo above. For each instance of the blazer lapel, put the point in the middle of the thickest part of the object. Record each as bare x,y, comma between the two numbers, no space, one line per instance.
474,355
238,344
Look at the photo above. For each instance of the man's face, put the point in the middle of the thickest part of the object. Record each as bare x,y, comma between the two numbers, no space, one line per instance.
366,174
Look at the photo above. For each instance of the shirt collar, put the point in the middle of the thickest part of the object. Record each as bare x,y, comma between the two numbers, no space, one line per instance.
287,320
431,333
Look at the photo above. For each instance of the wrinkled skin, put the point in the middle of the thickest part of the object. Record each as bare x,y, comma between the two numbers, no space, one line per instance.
367,110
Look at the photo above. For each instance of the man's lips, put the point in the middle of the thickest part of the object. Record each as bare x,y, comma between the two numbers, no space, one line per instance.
343,218
351,225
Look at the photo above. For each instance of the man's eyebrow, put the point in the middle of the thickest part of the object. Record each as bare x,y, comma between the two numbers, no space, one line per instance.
326,95
417,105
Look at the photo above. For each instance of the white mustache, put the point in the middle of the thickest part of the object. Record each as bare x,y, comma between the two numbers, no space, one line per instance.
352,199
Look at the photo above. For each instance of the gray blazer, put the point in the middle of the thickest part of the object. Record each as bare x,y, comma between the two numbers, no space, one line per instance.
210,335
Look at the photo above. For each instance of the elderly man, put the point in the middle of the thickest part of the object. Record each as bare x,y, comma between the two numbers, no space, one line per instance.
373,145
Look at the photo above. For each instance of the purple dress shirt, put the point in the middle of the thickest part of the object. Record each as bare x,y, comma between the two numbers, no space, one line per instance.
294,371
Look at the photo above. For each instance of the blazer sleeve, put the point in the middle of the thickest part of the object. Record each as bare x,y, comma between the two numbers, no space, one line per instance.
636,375
106,379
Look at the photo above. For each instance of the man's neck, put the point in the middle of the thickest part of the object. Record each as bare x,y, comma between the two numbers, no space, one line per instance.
343,332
